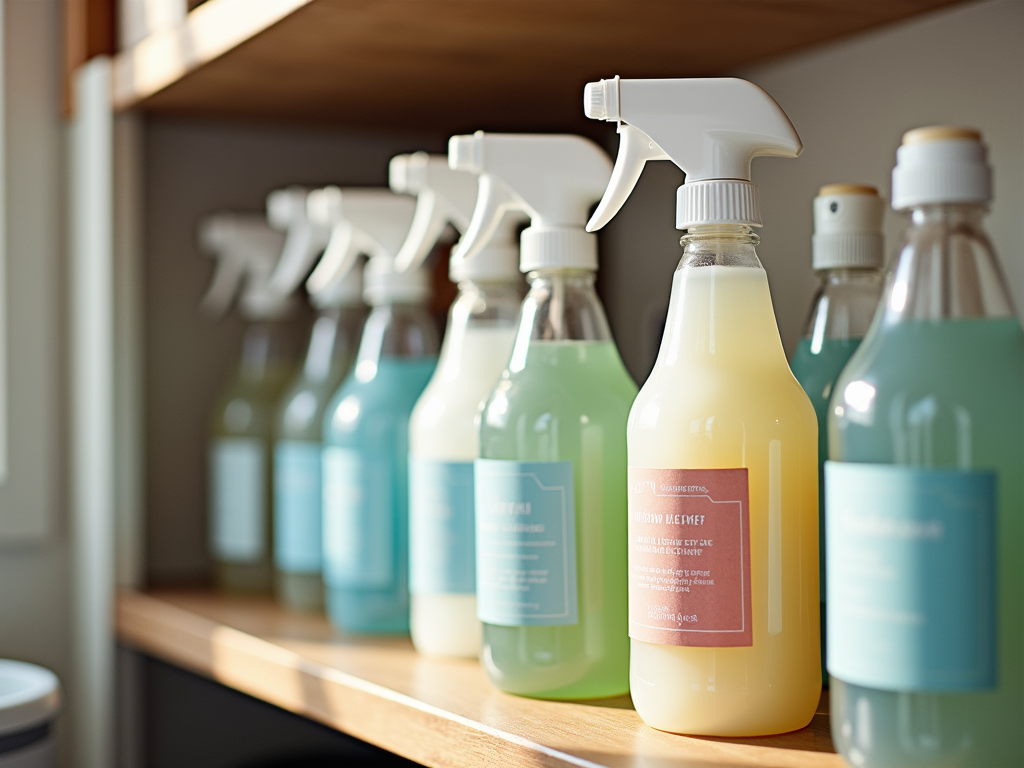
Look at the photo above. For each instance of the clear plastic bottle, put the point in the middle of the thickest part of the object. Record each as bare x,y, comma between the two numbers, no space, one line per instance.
298,539
242,434
722,421
925,490
564,400
443,443
847,255
365,469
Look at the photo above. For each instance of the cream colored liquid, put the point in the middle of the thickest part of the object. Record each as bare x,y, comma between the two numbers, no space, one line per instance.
444,427
722,396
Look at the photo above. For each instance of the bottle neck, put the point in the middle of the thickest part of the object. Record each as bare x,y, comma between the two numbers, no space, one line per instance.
401,331
267,349
333,340
720,245
562,305
491,303
946,270
843,305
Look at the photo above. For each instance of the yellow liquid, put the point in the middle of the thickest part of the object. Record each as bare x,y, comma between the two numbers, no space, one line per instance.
721,395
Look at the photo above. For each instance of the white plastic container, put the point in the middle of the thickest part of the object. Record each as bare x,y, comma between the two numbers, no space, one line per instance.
29,703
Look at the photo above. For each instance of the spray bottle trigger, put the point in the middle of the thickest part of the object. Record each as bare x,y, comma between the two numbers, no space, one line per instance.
226,281
428,222
635,149
493,201
339,257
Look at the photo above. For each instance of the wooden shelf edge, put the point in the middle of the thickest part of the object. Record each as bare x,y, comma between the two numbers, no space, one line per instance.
357,707
211,30
438,713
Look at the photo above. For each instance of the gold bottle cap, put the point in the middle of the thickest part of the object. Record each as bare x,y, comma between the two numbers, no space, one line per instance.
939,133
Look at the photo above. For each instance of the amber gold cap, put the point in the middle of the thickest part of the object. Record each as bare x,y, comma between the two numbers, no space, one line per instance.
940,133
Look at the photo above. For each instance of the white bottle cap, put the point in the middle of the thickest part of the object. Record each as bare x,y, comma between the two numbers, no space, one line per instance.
941,164
304,239
711,128
847,227
551,178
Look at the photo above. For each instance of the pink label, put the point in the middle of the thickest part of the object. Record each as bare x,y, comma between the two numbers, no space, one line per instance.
689,557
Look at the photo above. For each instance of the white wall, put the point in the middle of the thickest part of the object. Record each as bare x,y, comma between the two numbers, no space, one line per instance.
851,103
34,569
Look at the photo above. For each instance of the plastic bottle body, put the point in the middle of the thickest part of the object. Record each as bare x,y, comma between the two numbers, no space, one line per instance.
721,396
840,315
936,386
564,398
365,471
298,540
444,430
241,442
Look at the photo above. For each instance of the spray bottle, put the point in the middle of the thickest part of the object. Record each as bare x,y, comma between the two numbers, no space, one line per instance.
246,250
443,432
366,425
298,518
847,255
550,485
924,489
723,477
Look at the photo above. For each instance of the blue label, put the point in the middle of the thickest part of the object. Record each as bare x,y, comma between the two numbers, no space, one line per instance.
358,520
238,503
298,524
911,558
525,543
441,533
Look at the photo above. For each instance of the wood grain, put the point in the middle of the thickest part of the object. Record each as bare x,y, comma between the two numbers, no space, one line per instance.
441,713
460,65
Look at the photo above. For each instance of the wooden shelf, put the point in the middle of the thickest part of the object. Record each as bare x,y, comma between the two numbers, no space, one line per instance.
437,712
460,64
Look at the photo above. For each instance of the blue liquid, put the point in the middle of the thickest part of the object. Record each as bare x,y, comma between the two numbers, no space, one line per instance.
946,394
817,373
370,415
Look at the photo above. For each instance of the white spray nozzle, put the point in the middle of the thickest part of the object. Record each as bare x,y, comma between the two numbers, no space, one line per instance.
710,127
443,196
246,249
304,239
553,179
370,222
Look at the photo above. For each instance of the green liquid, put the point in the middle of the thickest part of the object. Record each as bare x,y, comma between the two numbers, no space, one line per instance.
570,402
948,394
817,373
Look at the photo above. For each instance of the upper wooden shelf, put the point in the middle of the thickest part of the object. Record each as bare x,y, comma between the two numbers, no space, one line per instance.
439,713
460,64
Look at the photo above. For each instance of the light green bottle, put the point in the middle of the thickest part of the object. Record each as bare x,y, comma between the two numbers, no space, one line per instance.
925,490
550,483
847,255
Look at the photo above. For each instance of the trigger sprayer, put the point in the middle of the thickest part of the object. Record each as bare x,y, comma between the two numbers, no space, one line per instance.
371,222
246,249
710,127
304,240
448,196
551,179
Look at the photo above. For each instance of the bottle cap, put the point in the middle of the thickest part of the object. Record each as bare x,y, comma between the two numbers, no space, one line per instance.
941,164
551,178
304,240
711,128
370,222
847,227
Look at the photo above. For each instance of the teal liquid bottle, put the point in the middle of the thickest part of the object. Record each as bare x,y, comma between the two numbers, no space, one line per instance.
365,465
298,496
558,420
925,490
847,255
